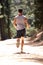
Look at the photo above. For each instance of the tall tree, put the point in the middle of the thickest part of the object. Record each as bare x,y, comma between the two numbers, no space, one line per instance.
38,14
4,19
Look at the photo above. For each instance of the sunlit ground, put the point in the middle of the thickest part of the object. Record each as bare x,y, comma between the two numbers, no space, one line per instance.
9,54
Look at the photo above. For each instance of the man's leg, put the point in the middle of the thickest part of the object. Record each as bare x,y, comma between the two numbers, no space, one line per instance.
18,42
22,43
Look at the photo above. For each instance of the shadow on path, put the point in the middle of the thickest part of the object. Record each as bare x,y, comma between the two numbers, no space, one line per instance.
21,53
40,60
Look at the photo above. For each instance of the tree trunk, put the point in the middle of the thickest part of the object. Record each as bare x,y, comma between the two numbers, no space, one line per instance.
38,14
5,27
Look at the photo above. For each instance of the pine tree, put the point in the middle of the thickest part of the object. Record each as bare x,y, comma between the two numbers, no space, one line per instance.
38,14
4,19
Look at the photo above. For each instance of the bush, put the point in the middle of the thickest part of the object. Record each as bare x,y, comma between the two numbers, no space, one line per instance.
31,32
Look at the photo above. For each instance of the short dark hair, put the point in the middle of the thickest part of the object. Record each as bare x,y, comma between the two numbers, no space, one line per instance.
20,10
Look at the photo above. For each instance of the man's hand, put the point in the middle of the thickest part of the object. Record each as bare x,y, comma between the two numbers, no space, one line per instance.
28,26
26,23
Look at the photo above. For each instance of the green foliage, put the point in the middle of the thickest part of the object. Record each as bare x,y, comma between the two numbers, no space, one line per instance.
13,30
28,10
31,31
30,7
24,4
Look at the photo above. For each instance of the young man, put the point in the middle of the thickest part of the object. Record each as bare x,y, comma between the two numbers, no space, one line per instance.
19,23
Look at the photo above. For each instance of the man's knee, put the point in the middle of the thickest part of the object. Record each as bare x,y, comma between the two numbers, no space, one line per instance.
18,39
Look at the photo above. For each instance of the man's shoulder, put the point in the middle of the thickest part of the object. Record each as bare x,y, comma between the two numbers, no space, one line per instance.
24,16
16,16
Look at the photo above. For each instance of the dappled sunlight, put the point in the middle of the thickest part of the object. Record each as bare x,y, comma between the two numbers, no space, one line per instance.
10,55
9,46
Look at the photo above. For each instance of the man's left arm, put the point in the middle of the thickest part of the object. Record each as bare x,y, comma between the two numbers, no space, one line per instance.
26,23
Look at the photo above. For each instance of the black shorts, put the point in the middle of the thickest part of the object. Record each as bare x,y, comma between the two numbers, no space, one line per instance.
21,33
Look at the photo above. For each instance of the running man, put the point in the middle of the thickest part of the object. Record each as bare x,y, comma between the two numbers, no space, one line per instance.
20,22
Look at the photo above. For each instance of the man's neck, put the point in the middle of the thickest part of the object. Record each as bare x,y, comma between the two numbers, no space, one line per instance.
20,14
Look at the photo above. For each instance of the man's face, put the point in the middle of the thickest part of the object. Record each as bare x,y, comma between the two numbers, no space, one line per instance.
20,13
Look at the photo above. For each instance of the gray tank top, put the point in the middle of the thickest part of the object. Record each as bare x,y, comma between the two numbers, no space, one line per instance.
20,22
